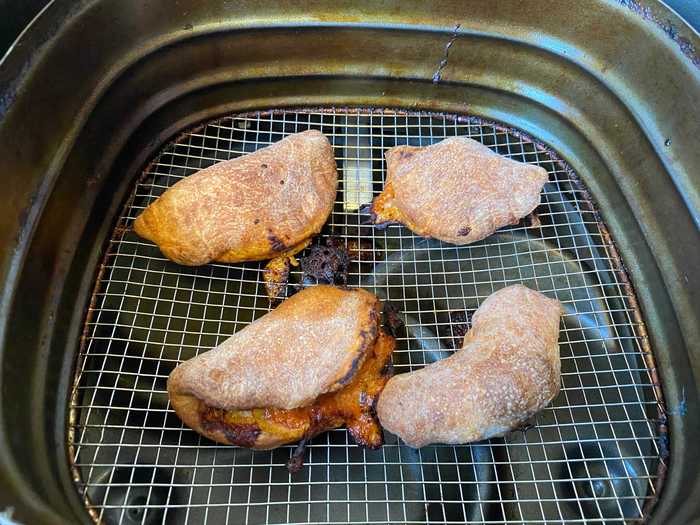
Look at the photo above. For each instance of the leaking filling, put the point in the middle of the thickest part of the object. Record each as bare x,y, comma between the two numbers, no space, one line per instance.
382,212
351,406
276,272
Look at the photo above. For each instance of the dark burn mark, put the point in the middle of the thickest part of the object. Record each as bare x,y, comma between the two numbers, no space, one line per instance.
256,221
371,218
282,182
362,250
374,322
242,435
459,325
392,320
368,337
464,231
326,264
354,366
275,242
368,215
405,154
386,371
296,461
263,166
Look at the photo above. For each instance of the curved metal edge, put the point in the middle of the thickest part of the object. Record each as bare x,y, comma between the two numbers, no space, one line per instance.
670,27
27,29
74,415
209,113
175,128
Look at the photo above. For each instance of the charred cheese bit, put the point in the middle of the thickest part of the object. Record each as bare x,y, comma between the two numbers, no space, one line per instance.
276,271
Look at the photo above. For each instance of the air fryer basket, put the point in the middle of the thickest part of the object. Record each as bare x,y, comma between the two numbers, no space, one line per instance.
603,94
593,455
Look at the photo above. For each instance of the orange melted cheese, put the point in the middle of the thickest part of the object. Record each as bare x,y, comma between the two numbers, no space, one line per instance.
276,271
352,406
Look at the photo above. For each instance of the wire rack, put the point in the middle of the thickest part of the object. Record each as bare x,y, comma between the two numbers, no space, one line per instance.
594,455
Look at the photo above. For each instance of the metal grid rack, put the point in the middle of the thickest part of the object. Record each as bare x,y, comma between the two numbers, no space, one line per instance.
594,454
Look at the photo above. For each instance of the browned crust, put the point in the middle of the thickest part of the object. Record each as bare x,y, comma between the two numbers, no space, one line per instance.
237,210
457,190
276,243
352,405
242,434
316,340
192,410
507,370
368,336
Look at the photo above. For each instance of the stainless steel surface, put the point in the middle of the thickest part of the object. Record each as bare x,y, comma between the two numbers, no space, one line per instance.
596,453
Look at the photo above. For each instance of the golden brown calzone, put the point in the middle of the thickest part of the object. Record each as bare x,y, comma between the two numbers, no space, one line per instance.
251,208
316,362
507,370
457,190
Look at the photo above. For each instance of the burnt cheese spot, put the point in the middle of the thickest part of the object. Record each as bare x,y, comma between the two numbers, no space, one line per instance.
367,337
464,231
327,264
240,434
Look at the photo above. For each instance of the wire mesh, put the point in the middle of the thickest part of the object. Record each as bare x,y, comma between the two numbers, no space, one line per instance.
593,455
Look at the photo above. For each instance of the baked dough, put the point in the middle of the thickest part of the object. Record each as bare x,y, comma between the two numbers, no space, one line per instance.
251,208
507,370
457,190
320,343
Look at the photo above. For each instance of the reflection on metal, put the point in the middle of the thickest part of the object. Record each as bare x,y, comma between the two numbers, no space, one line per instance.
357,163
